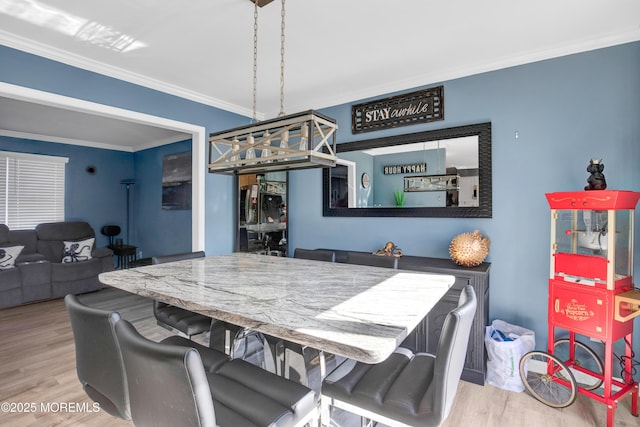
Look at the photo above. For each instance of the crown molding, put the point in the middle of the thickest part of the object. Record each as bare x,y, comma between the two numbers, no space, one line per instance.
59,55
87,143
71,141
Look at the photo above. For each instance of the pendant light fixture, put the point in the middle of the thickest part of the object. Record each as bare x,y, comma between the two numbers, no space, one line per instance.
296,141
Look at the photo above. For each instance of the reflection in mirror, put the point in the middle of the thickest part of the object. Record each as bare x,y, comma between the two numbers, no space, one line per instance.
437,173
262,213
432,173
343,184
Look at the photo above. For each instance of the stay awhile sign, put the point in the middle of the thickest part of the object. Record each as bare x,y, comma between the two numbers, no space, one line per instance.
423,106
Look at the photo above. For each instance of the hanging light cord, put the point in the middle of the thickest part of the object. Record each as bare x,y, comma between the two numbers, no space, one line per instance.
282,14
255,59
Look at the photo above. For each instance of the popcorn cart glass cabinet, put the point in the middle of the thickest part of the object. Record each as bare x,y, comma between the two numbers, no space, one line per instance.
591,294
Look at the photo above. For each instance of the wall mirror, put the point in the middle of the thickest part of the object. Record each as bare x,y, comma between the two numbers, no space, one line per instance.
438,173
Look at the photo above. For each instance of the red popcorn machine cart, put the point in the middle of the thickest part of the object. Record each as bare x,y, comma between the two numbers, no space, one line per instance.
592,298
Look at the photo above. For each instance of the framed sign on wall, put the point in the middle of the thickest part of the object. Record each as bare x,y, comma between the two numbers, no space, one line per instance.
423,106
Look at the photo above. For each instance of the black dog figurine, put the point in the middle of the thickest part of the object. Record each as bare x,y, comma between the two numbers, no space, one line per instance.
596,180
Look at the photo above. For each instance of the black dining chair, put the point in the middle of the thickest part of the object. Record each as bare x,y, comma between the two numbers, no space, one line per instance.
176,319
408,389
98,359
110,231
363,258
99,364
169,386
315,254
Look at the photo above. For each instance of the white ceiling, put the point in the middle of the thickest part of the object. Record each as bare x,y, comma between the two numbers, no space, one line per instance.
336,51
31,120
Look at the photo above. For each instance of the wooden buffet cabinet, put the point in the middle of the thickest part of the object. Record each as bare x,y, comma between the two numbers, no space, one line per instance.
425,337
427,334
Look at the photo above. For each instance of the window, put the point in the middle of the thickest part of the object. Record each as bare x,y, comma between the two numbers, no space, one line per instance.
31,189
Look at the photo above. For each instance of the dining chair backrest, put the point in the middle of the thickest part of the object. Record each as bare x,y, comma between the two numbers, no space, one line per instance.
406,389
110,231
372,260
315,254
98,359
177,319
452,351
168,384
177,257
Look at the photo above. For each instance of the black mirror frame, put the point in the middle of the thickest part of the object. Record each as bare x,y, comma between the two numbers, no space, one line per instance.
484,210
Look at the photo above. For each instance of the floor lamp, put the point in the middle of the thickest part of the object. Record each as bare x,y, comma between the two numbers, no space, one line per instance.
128,183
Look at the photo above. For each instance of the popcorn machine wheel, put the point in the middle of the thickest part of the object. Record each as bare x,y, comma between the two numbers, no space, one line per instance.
591,296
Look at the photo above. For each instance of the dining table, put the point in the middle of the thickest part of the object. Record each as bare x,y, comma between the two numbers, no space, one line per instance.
359,312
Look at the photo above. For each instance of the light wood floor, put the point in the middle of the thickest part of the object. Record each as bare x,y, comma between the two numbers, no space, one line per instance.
37,371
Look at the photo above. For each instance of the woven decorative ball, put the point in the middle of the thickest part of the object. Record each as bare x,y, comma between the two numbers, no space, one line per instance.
469,249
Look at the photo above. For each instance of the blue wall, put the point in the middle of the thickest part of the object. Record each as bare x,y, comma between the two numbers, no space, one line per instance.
565,111
159,231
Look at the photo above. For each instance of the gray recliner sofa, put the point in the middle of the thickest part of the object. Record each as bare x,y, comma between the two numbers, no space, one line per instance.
39,273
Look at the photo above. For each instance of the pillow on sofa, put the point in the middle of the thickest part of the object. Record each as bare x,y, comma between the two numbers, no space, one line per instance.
77,251
8,256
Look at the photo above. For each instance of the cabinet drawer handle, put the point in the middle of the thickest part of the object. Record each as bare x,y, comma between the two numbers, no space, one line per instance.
556,306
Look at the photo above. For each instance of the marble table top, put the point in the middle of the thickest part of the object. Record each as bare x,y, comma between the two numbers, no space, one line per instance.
360,312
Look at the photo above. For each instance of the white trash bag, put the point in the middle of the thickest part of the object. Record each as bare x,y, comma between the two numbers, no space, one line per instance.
506,344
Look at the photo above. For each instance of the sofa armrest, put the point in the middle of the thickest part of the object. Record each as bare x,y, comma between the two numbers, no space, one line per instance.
32,257
101,252
105,255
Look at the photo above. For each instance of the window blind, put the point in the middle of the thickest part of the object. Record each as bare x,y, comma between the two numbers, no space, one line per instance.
31,189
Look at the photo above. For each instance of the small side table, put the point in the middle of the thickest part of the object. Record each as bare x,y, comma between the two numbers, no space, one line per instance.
124,255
